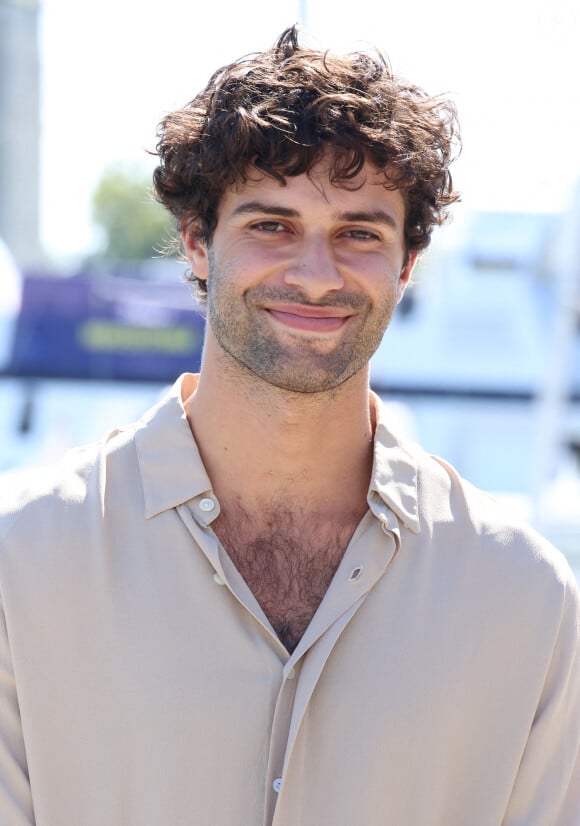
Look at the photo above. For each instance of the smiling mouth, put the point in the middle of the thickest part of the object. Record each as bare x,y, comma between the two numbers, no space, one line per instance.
313,319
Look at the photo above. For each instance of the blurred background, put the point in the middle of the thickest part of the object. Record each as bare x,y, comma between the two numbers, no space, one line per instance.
481,364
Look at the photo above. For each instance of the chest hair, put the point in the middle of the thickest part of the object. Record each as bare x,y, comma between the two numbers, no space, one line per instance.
287,556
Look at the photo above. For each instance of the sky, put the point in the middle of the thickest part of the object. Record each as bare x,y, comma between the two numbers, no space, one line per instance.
111,70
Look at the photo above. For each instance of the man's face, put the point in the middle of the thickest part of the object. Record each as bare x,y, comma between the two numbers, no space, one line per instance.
303,278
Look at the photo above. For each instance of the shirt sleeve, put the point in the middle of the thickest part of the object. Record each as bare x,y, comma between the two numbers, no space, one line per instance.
15,797
547,787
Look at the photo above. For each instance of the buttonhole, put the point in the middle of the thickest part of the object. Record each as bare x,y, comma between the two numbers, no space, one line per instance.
355,574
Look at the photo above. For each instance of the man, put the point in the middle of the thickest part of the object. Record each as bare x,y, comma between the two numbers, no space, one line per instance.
258,605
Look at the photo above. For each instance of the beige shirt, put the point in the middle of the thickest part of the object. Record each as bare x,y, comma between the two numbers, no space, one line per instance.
438,683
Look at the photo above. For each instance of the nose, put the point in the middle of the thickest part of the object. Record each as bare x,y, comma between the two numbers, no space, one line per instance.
314,268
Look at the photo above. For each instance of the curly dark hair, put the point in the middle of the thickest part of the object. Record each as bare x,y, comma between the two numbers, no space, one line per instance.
279,110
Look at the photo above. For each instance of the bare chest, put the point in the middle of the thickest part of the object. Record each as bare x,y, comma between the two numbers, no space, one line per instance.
287,562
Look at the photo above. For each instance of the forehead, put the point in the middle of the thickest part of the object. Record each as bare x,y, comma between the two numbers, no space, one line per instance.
314,192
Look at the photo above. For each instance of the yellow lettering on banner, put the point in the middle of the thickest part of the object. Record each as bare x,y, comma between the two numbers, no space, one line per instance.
113,337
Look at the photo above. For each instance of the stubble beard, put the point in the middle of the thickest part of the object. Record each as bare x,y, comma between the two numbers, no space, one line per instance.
302,366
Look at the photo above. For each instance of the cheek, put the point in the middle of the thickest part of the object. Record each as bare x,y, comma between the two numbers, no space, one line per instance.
376,269
243,267
382,281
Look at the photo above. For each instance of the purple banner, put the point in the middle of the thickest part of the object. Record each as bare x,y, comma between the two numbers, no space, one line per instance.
106,327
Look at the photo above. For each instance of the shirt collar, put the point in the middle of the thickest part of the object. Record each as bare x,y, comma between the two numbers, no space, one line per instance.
395,474
172,470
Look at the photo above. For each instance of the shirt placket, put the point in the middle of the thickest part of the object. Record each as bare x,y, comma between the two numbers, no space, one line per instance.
364,562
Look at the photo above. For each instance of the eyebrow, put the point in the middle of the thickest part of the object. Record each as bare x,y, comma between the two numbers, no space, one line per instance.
377,216
265,209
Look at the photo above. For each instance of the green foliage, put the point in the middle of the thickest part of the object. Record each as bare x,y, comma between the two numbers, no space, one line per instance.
135,227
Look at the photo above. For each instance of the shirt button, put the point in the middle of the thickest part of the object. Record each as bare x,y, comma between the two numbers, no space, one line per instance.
291,674
277,784
206,504
217,578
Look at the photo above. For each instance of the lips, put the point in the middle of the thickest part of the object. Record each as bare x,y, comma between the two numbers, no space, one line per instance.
304,317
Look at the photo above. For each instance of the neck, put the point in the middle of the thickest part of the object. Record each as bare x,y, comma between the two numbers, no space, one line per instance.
259,442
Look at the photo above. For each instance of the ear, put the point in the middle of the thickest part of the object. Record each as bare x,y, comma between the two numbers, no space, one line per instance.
195,250
405,275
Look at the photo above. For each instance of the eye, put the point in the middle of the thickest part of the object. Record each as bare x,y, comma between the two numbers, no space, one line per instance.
361,235
270,227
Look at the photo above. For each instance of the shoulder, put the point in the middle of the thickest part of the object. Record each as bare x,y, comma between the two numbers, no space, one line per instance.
33,501
452,524
478,533
494,578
